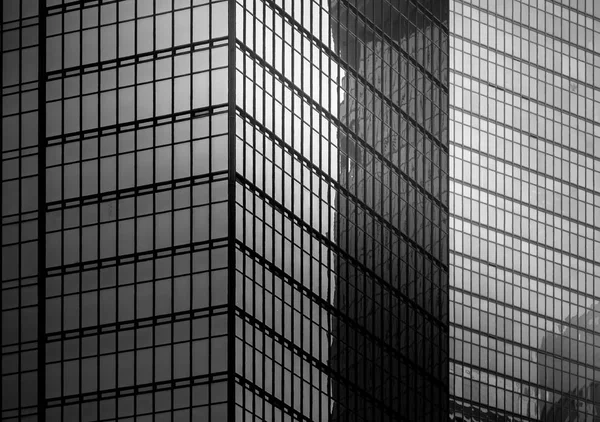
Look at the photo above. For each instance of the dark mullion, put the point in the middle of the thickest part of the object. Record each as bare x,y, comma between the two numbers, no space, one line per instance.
20,200
262,205
173,287
210,209
62,220
263,226
284,132
246,86
154,200
136,218
191,204
117,187
318,282
297,67
256,176
81,237
98,230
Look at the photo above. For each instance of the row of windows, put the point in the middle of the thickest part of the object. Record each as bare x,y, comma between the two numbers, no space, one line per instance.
514,111
579,211
522,231
180,404
574,286
142,366
501,328
574,67
567,203
141,168
127,206
496,397
119,40
576,293
499,184
534,295
134,301
129,104
566,26
523,78
92,297
147,69
161,230
531,159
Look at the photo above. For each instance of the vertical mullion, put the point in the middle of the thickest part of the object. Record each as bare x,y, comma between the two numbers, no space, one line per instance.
81,236
273,190
295,329
117,196
136,218
173,187
191,203
210,209
154,207
20,200
98,210
259,225
41,291
62,220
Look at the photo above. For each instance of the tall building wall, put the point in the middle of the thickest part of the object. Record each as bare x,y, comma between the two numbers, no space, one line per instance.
238,210
525,92
132,161
392,211
21,216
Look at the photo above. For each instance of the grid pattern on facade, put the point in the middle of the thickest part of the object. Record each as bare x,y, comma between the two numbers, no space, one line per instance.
286,161
329,143
20,216
163,158
525,208
135,211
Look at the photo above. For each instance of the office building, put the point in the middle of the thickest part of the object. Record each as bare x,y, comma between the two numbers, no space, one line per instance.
390,338
115,229
220,210
525,251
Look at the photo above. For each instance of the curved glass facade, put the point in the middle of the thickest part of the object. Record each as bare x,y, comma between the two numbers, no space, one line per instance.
525,206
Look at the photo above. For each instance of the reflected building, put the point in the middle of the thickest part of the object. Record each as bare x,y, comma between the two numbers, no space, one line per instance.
390,338
224,210
567,372
525,206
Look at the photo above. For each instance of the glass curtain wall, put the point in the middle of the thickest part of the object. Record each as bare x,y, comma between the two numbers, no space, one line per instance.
224,210
525,206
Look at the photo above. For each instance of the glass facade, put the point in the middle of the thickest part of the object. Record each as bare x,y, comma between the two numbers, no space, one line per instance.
120,117
391,338
525,207
225,210
341,179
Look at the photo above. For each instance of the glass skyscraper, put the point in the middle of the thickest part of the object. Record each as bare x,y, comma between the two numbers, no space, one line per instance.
225,210
525,207
391,336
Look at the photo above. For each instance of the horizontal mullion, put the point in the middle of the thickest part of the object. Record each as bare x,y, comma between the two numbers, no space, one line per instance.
135,59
